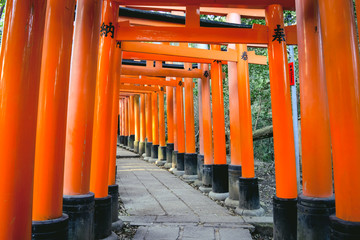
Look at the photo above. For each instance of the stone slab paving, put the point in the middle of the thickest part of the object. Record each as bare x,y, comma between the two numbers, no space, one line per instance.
165,207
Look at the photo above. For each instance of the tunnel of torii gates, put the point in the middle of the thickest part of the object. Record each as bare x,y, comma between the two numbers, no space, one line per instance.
64,84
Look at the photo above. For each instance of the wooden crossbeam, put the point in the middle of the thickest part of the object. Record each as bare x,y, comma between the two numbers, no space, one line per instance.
149,81
148,51
160,72
139,89
259,13
251,4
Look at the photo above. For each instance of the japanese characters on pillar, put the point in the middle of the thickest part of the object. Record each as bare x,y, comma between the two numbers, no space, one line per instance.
103,102
284,150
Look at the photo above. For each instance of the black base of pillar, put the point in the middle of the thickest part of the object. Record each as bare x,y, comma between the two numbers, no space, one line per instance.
122,140
313,220
174,159
118,139
190,163
220,178
54,229
102,217
234,174
113,191
126,141
200,166
155,151
80,209
131,141
162,153
207,175
344,230
169,151
148,149
180,161
142,147
285,218
249,193
136,146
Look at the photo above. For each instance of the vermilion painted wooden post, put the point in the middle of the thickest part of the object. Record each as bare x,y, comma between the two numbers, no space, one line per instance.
234,114
248,183
341,60
137,123
102,119
220,183
51,122
131,122
175,152
190,158
20,63
142,125
79,128
149,137
317,196
207,129
180,133
162,143
126,122
155,127
113,188
170,126
285,169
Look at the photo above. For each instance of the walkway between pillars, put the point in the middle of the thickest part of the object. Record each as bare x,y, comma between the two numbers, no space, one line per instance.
165,207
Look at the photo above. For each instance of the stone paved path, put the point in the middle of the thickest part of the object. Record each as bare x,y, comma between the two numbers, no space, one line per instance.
166,208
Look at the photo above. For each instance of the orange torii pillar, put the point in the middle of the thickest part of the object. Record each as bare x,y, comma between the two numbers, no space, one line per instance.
220,181
78,201
149,137
175,127
180,132
100,156
137,123
190,157
317,201
285,211
120,122
234,114
207,131
249,199
200,156
20,63
162,143
123,127
170,126
142,143
113,188
126,123
155,127
131,123
341,60
51,123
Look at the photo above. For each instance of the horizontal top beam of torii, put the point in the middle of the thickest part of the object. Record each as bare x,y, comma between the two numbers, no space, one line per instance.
139,89
161,72
149,81
255,4
193,32
149,51
244,12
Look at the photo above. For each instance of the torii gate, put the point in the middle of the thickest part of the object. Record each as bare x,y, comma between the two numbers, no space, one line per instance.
34,90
